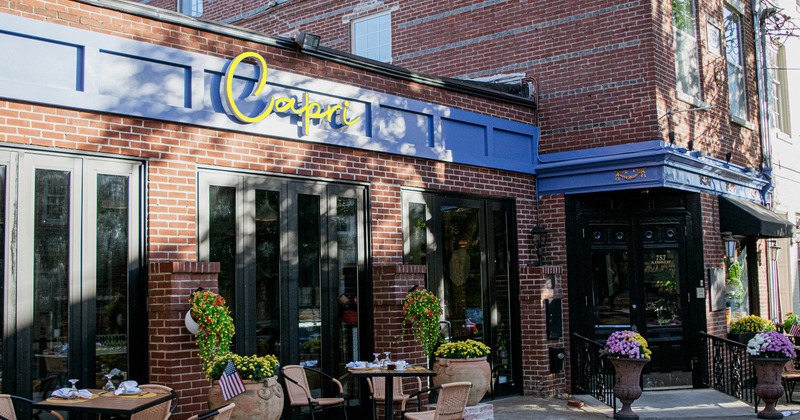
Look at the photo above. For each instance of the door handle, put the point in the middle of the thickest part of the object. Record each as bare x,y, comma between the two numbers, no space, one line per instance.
633,306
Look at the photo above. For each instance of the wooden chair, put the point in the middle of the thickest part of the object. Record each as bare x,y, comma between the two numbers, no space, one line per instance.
790,377
377,392
222,413
449,406
158,412
300,393
7,407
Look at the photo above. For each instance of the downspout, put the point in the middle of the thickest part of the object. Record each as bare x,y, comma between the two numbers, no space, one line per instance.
762,80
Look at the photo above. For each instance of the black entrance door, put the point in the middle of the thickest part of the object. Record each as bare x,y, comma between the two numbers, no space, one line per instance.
631,258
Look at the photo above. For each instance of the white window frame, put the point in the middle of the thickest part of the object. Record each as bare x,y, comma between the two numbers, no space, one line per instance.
780,114
383,50
737,88
693,92
191,8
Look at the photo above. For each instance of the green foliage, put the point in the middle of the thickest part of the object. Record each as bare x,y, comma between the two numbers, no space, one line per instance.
468,349
215,325
752,324
422,310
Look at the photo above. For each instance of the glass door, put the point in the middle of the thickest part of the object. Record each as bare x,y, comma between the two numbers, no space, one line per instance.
78,244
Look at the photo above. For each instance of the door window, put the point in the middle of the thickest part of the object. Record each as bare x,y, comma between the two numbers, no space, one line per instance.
611,289
74,243
291,254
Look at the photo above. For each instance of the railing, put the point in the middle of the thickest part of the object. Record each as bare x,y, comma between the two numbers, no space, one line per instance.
593,374
727,368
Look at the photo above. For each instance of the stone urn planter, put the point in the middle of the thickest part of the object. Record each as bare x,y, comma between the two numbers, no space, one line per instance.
627,389
261,400
476,371
769,387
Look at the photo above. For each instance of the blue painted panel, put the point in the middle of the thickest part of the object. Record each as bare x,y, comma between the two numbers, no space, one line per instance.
405,132
102,73
40,62
135,78
467,142
512,145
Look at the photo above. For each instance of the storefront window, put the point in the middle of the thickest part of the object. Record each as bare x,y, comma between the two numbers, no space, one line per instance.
268,302
737,293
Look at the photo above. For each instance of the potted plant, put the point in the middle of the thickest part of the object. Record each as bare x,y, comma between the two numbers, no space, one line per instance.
215,330
788,321
746,328
628,352
770,351
459,361
421,310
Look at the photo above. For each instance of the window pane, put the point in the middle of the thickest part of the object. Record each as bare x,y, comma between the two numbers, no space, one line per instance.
611,305
347,244
51,244
112,275
222,240
268,302
2,263
372,37
463,291
417,234
687,72
683,15
308,232
661,285
733,53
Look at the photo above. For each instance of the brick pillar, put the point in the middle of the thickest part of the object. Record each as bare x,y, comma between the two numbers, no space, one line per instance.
537,285
174,359
391,284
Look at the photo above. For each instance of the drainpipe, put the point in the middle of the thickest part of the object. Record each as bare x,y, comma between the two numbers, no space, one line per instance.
762,80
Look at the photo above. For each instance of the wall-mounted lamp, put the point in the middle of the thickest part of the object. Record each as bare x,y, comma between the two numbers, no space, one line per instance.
773,250
307,41
730,244
539,236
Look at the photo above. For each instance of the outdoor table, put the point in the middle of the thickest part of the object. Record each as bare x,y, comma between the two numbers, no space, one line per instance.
106,403
409,371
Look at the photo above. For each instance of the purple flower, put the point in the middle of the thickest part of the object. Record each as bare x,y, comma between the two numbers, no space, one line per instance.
628,344
771,344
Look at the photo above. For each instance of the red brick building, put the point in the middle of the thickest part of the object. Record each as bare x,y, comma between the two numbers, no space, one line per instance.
650,149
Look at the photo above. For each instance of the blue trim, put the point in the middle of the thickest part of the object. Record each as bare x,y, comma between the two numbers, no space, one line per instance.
647,164
56,65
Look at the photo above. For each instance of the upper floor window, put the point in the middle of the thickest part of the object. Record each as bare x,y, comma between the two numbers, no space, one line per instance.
372,37
779,96
737,94
687,69
191,7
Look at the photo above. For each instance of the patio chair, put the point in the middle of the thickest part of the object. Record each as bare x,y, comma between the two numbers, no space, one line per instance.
300,394
158,412
377,392
7,407
222,413
789,377
449,406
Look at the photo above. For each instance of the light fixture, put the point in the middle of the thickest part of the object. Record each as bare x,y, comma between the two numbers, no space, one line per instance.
773,250
730,244
539,236
307,41
690,145
728,157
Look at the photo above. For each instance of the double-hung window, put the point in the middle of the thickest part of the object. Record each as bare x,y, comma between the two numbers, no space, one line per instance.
737,93
779,96
687,69
372,37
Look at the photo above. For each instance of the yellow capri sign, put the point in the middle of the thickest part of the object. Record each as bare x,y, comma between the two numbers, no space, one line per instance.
307,110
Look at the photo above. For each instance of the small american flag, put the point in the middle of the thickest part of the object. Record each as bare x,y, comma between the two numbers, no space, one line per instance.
795,330
230,382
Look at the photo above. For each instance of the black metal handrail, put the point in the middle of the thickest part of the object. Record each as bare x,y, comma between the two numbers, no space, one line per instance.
727,368
592,372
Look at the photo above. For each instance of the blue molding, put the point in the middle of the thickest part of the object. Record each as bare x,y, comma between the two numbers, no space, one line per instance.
647,164
56,65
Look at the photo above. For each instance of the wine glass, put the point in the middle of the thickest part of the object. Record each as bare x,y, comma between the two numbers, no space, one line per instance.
376,361
109,386
73,392
387,361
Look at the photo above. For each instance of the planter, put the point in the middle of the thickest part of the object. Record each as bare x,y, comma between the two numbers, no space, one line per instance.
475,371
626,389
741,337
190,324
262,400
769,387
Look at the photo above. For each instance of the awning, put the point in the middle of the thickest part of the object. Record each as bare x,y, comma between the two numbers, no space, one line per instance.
745,218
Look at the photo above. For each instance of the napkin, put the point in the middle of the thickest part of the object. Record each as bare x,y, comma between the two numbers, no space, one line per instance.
64,393
127,387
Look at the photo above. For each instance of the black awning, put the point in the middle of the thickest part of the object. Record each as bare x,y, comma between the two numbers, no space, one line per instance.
745,218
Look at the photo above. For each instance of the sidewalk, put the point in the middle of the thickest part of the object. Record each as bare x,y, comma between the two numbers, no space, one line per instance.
685,403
